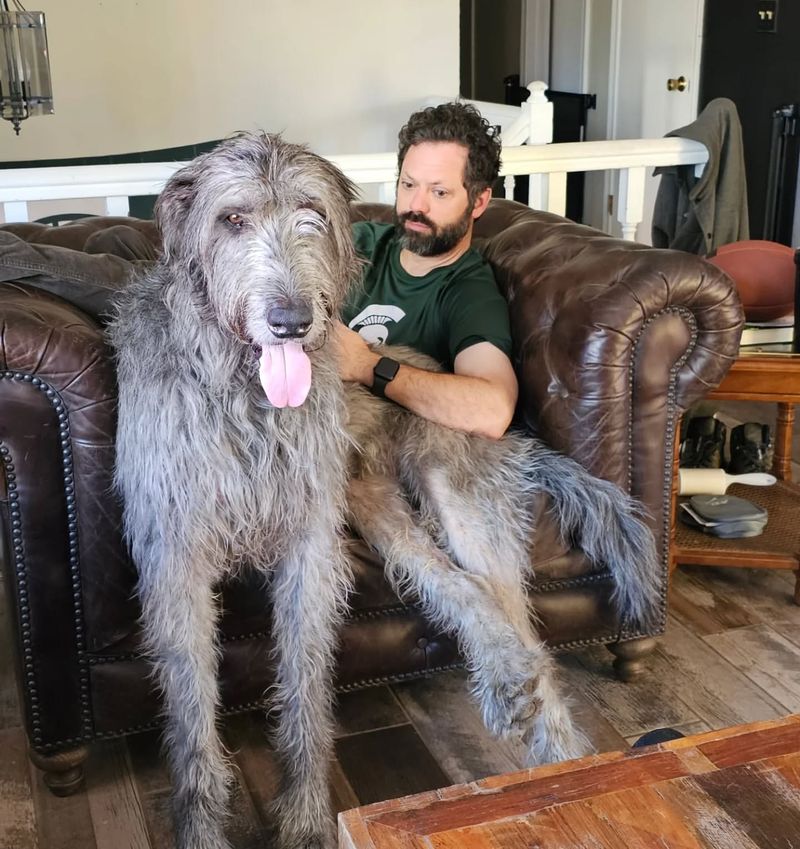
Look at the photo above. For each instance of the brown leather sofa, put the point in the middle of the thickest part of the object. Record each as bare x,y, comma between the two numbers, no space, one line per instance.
613,340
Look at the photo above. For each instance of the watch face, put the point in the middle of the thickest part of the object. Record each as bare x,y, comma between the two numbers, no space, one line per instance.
386,368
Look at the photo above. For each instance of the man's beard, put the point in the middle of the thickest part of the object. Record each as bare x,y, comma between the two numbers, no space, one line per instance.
440,240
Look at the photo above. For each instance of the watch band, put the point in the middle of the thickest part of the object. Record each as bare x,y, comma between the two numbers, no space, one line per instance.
383,374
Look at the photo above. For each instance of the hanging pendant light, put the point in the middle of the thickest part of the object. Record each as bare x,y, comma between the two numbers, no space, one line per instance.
25,88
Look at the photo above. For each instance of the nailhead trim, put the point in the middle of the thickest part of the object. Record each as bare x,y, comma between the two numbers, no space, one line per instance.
601,577
384,612
361,684
364,683
20,566
669,447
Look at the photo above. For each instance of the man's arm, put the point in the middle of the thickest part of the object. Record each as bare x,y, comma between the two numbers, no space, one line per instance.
479,398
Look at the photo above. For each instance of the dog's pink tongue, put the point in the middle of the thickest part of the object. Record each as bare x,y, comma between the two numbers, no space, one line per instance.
285,373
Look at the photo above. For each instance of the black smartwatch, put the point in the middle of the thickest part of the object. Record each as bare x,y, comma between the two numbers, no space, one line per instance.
384,373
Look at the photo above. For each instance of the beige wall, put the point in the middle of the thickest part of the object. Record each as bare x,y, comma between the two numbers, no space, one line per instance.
341,75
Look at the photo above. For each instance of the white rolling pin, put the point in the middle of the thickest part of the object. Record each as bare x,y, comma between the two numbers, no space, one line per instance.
717,481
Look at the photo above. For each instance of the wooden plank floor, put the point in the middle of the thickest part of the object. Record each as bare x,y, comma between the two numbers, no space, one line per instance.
731,654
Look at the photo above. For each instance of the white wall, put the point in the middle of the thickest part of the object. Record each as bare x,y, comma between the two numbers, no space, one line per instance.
134,75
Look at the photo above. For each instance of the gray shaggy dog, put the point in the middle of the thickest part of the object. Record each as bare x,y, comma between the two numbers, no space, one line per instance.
231,454
234,446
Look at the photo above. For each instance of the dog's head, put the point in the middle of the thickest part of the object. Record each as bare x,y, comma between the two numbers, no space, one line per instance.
260,228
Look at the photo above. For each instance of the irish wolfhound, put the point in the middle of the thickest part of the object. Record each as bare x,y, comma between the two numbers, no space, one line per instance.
232,453
218,476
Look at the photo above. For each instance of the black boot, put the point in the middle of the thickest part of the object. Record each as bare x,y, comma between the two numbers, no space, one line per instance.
751,449
704,444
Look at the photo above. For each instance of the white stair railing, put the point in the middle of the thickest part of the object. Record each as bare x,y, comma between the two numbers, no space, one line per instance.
547,165
526,131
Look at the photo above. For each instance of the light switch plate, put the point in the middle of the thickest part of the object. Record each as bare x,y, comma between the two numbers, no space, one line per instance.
767,15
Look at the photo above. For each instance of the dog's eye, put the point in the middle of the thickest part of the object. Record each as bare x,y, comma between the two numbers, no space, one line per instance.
311,209
235,220
312,219
313,206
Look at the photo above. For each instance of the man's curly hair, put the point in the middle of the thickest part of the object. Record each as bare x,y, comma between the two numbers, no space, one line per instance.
461,123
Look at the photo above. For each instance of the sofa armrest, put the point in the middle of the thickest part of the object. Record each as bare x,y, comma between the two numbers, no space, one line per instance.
67,566
613,341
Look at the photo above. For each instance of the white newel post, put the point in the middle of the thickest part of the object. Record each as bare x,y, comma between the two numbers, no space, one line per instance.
630,200
540,114
538,111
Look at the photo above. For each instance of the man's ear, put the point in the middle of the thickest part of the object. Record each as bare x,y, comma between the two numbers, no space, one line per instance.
481,202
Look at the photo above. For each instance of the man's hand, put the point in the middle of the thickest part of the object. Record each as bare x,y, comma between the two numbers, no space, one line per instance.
355,358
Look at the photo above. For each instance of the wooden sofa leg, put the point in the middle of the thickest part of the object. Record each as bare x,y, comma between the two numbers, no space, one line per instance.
630,657
63,771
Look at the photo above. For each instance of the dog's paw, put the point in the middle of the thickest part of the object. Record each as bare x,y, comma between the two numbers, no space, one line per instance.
509,708
553,738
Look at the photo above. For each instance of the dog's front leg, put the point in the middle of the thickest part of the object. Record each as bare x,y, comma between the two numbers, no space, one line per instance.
309,593
180,619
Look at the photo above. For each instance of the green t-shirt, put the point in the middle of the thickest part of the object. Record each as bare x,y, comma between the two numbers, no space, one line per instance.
439,314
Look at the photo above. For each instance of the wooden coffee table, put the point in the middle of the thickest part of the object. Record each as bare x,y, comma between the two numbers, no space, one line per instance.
739,787
771,378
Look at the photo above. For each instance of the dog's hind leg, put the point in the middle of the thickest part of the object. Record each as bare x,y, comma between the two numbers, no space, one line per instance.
512,676
180,620
485,532
488,535
309,594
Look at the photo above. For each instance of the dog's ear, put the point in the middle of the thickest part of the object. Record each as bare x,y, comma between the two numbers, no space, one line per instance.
345,192
172,208
346,188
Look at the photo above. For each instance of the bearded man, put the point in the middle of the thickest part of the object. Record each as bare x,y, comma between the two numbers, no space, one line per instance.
425,286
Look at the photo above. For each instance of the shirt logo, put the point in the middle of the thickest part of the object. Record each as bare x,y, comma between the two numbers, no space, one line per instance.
372,323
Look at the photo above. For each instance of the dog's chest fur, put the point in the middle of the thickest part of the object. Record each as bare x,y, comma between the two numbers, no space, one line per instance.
233,491
275,450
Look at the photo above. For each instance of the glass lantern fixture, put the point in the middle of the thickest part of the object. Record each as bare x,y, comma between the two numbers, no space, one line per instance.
25,88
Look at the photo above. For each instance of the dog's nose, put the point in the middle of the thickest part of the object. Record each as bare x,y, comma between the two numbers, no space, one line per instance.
291,320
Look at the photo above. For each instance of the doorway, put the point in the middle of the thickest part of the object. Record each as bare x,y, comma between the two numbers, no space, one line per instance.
624,51
506,45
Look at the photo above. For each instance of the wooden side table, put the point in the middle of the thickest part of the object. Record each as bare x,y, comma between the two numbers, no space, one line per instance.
773,378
